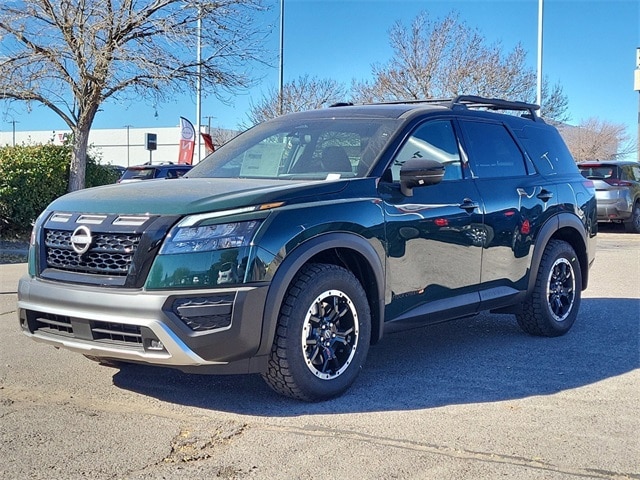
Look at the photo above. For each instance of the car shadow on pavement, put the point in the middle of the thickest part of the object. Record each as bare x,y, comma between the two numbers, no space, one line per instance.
486,358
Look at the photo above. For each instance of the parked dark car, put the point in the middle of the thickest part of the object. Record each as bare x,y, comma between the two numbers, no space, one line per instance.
150,172
295,246
617,186
117,170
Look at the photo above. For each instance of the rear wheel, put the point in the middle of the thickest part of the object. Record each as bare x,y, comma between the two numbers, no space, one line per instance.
323,334
633,225
552,308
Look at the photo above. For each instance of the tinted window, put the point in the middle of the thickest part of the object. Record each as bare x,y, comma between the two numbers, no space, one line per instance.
598,172
631,173
139,174
492,151
435,141
547,149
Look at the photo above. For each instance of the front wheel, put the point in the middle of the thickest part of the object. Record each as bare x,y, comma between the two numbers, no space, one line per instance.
323,334
552,308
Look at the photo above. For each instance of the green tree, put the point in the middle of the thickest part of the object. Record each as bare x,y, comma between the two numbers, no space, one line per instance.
33,176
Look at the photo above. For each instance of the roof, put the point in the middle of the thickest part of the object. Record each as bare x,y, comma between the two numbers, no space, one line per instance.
397,109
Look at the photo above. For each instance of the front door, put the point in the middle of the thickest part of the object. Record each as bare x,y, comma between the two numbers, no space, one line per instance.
434,237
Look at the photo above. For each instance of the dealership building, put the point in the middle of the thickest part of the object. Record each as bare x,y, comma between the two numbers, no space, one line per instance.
119,146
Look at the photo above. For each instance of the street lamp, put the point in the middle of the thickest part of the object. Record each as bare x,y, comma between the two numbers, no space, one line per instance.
281,64
636,87
199,82
128,143
539,69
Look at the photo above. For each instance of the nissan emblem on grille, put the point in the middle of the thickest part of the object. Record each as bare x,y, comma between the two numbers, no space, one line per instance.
81,240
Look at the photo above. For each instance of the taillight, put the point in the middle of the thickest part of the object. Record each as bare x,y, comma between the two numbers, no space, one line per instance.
614,182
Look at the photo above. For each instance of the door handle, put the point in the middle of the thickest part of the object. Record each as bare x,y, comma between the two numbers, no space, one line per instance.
545,195
468,205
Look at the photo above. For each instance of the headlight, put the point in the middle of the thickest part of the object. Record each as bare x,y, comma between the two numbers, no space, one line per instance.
206,238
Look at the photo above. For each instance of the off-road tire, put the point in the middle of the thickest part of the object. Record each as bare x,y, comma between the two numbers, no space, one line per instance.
322,336
552,308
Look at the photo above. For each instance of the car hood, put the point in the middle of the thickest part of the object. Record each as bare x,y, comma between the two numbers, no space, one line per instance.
192,195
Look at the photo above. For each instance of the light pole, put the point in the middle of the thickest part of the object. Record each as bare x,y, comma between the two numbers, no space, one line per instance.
13,123
199,82
636,87
539,71
128,143
281,66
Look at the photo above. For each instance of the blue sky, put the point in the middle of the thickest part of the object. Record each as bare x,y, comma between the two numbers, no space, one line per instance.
589,48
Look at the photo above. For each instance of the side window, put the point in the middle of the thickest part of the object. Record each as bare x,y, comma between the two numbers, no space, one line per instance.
434,140
492,151
546,148
636,173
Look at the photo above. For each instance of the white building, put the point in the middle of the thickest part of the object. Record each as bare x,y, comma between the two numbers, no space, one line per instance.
118,146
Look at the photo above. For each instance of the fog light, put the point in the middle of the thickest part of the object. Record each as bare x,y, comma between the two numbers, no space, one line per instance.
155,345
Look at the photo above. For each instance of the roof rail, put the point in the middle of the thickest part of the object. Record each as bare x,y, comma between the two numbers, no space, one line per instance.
473,101
467,101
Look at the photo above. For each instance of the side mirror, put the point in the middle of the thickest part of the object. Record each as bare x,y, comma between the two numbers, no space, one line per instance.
419,172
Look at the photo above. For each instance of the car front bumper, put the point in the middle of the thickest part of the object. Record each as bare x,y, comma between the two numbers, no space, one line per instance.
212,331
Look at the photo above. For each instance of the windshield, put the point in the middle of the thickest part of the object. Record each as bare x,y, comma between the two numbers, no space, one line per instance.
301,148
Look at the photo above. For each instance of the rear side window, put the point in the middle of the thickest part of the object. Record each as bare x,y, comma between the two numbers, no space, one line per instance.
492,150
631,172
547,150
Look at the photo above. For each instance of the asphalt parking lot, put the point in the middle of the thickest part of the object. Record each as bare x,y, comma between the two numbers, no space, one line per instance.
471,399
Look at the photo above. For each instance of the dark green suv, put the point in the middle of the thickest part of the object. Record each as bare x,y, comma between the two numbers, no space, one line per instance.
298,244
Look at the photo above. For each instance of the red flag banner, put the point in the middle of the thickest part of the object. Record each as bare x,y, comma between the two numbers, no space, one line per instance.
208,143
187,141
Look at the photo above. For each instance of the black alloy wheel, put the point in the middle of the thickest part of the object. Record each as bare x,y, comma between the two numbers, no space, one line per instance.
322,336
553,306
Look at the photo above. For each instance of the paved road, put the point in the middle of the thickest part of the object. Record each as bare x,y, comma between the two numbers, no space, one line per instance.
471,399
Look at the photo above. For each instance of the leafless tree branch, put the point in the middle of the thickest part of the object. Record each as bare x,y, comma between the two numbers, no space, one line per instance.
73,55
445,58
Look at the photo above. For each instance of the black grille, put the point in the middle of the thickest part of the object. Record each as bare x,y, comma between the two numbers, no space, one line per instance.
116,332
205,313
55,323
109,254
84,329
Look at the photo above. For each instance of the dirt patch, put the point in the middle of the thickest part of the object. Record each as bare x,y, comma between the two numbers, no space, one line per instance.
193,445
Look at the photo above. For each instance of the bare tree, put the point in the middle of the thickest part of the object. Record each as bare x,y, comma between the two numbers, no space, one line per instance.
220,136
445,58
73,55
595,139
304,93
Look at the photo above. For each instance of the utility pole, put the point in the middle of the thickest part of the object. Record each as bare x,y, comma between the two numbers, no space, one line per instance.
208,117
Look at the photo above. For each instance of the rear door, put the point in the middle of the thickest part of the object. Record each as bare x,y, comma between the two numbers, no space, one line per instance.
515,202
